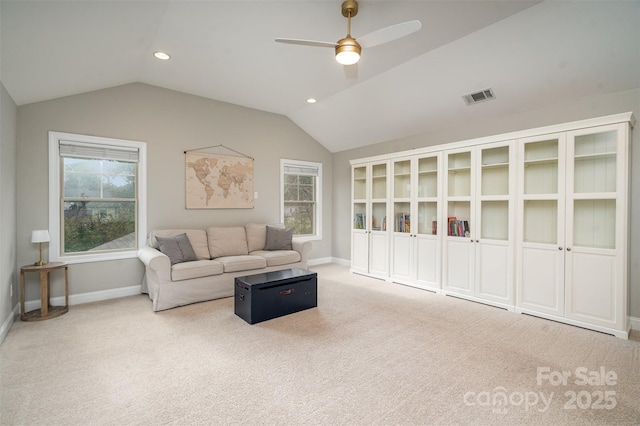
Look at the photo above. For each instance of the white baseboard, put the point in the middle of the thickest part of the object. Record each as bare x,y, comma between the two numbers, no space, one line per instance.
6,325
318,261
324,260
343,262
94,296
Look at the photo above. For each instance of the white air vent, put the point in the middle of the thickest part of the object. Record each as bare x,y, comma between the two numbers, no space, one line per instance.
481,96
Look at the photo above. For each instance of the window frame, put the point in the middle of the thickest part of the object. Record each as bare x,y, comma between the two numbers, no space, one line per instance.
56,174
318,202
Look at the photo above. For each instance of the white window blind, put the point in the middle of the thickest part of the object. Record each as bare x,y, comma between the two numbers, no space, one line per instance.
96,151
295,169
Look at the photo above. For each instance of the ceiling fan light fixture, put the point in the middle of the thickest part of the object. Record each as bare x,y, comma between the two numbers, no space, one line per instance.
161,55
348,51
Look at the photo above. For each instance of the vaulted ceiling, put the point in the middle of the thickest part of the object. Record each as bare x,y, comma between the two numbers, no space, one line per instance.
530,53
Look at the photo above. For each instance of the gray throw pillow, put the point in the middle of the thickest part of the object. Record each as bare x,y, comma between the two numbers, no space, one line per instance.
178,248
278,239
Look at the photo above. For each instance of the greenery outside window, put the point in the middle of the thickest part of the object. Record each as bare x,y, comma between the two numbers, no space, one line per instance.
301,183
97,197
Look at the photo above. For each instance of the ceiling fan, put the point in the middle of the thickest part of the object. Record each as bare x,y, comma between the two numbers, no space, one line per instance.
348,50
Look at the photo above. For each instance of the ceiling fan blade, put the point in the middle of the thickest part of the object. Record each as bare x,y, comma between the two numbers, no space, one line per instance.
351,71
387,34
306,42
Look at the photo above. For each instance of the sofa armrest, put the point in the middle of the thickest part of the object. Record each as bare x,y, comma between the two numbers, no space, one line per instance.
302,247
156,261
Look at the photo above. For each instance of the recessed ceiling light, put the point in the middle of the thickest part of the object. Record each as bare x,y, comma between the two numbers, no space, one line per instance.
161,55
312,101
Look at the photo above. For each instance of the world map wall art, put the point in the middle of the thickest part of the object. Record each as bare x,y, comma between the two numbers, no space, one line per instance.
218,181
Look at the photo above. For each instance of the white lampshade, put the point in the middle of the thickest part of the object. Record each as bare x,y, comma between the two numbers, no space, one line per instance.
40,236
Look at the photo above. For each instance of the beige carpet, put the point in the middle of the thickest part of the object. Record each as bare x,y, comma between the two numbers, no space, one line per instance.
372,353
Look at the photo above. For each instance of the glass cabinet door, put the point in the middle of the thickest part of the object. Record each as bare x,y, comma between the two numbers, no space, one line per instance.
596,225
402,196
540,193
359,198
494,193
369,237
427,196
541,226
594,190
379,197
459,194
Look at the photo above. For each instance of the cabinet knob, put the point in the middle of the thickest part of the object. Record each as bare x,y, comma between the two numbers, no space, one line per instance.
568,248
559,248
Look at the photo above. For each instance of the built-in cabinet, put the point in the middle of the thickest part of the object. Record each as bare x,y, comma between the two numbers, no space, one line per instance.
478,247
370,239
572,250
533,221
416,254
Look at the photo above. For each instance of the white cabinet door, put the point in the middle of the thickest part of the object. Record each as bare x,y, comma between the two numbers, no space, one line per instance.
541,207
402,220
427,237
459,228
494,199
479,203
416,252
428,258
540,286
402,257
369,235
596,224
592,293
379,254
494,280
360,252
459,270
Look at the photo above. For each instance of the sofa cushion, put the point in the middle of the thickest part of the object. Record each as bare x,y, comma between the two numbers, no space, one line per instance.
257,234
278,238
197,238
242,263
227,241
196,269
178,248
278,257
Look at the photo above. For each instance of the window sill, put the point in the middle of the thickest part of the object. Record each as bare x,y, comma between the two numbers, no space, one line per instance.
95,257
308,238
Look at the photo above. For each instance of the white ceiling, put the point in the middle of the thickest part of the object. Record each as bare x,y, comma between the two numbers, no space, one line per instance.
530,53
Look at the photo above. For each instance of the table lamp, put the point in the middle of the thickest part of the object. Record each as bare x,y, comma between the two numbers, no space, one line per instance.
40,236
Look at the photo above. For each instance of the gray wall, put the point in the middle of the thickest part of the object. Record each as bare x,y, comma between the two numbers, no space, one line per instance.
170,122
8,274
578,109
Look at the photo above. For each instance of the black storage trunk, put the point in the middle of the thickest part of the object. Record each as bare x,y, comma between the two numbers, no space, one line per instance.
270,295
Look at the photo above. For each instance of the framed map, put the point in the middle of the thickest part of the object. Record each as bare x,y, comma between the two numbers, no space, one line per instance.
218,181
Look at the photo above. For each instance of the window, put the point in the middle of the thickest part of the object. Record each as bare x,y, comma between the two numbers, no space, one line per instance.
97,198
301,189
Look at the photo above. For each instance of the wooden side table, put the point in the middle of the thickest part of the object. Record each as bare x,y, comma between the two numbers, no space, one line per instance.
46,311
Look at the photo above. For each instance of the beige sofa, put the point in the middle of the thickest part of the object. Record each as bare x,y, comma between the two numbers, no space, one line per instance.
222,254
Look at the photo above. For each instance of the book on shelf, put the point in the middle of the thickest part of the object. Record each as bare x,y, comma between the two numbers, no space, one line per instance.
403,222
373,225
458,228
434,227
359,221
